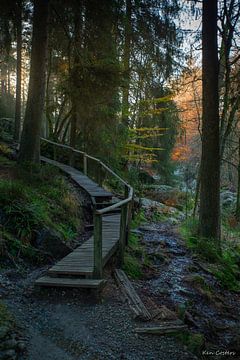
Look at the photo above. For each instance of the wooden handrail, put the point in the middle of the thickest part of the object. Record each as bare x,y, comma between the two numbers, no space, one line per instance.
109,208
124,205
115,206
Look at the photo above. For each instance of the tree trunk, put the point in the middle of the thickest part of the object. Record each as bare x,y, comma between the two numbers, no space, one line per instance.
210,162
126,63
238,185
17,125
30,140
77,47
197,191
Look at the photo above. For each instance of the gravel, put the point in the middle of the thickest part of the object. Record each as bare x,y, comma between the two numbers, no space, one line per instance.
73,324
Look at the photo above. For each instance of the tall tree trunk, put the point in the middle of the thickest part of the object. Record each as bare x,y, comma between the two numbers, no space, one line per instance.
76,59
238,184
17,125
8,80
30,140
126,63
210,162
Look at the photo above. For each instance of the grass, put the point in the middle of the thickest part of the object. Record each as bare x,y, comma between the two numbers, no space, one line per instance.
193,341
225,265
32,201
135,257
132,266
132,258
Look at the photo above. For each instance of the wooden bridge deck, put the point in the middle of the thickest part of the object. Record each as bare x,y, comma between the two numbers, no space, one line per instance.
76,269
80,261
93,189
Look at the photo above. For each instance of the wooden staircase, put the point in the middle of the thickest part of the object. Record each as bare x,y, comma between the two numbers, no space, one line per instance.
83,268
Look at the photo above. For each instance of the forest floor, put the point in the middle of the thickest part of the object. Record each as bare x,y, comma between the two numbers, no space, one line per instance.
73,324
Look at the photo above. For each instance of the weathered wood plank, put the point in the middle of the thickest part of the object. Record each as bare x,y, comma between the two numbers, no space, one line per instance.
134,300
70,282
161,329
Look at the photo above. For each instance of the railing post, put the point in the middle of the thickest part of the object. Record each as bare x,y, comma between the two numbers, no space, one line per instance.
126,190
122,239
128,210
97,250
99,173
85,164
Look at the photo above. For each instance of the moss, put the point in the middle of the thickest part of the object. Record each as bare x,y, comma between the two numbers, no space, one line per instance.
138,219
193,341
132,266
135,257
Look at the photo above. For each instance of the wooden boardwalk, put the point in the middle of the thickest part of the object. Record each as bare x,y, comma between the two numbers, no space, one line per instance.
93,189
77,268
80,261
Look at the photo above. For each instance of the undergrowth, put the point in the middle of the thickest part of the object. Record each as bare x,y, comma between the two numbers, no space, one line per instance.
135,257
32,201
193,341
223,265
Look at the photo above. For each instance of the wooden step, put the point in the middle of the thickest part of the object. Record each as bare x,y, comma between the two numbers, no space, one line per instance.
70,282
70,270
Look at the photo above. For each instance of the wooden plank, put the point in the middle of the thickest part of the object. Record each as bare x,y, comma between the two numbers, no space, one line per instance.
134,300
81,261
161,329
70,282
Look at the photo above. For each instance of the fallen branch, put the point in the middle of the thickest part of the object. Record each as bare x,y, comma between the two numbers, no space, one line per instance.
132,297
161,329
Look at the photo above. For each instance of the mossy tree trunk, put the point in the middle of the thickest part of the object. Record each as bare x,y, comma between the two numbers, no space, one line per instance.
126,62
30,140
17,124
210,161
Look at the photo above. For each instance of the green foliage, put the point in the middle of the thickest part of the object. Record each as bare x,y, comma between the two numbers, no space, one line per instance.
138,219
193,341
132,266
135,258
32,202
224,265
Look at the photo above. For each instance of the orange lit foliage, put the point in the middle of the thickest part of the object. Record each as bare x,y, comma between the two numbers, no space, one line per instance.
188,100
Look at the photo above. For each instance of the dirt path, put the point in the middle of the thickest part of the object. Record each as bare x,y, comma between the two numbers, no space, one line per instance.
70,325
73,324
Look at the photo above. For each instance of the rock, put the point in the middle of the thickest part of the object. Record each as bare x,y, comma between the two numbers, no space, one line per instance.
147,228
52,242
160,188
21,346
228,198
173,221
148,204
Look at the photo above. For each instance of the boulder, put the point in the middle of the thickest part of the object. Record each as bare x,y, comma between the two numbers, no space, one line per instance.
51,242
228,198
174,213
166,194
